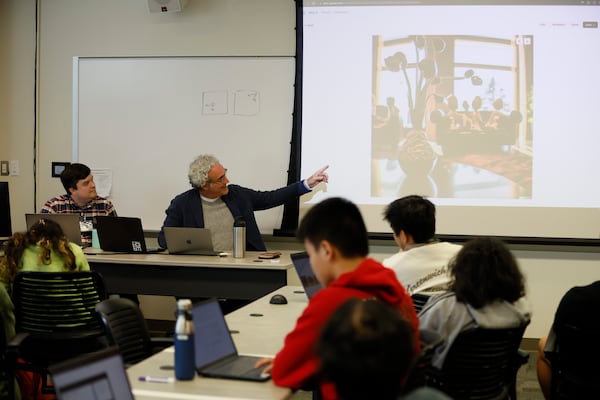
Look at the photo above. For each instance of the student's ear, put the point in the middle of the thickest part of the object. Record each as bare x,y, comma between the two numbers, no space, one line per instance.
326,248
400,239
404,239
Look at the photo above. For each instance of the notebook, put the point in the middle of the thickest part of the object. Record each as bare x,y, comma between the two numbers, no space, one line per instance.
122,235
309,281
216,355
99,375
196,241
68,222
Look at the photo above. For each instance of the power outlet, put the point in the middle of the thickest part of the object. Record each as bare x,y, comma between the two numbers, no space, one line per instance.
4,168
14,168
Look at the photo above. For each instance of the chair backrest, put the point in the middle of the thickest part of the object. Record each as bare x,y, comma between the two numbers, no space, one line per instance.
126,328
481,364
55,314
419,300
430,341
53,303
575,368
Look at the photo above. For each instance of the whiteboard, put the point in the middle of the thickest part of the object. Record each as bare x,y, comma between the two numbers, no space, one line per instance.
143,120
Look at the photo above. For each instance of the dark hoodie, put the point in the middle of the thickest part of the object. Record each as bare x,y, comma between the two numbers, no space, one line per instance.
296,364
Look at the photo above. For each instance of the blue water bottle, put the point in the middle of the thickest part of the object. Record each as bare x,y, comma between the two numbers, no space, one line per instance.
184,341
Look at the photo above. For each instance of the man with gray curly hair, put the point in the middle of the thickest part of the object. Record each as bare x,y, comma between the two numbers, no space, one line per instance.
214,204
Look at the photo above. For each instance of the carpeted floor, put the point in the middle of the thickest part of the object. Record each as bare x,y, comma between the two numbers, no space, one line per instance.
528,387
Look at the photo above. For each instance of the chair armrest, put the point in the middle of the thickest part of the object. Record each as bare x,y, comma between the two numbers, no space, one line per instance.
161,341
14,345
17,340
522,357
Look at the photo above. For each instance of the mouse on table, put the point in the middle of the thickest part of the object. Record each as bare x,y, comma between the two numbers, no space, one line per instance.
278,299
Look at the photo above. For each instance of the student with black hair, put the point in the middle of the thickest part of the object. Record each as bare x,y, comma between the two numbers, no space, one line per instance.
421,264
335,237
366,349
487,290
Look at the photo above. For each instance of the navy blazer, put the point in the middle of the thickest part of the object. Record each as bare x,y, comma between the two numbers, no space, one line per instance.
185,209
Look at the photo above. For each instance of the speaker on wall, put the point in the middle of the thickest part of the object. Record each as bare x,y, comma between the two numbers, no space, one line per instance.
166,6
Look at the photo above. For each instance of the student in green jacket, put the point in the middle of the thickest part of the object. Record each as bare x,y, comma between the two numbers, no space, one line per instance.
43,248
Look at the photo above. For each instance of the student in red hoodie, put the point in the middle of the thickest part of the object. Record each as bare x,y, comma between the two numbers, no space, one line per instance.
335,237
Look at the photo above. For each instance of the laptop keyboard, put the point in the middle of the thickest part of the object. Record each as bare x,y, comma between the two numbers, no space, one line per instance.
241,366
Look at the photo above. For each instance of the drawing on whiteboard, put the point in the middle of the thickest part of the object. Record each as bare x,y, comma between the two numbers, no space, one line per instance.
246,102
214,102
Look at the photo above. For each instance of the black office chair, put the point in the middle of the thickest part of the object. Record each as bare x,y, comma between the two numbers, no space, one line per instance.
481,364
56,318
126,328
416,377
419,301
574,363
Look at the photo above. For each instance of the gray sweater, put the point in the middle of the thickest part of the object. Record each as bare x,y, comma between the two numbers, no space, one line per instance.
448,317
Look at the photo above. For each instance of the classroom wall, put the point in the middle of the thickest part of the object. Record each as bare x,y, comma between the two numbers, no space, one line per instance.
104,28
548,273
17,101
126,28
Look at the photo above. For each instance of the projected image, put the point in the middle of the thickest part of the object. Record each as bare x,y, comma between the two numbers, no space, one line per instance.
452,116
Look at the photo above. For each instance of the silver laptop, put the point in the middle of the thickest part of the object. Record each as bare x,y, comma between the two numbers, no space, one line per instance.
310,283
197,241
215,352
99,375
68,222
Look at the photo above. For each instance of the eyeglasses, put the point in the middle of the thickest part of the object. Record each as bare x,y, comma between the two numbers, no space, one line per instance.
222,178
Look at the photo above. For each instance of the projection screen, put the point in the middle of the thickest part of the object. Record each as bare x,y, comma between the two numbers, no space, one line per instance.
489,109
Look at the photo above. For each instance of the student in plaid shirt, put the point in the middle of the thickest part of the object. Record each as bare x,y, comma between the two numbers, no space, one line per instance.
81,198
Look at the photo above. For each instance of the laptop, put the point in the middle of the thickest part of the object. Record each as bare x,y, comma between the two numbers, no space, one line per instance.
309,281
197,241
98,375
215,352
68,222
122,235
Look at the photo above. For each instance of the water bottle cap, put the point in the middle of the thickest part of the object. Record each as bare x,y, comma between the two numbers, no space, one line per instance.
239,222
184,304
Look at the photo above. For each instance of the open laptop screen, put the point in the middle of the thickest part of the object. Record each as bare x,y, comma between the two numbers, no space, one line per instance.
122,234
95,376
215,352
213,340
309,281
